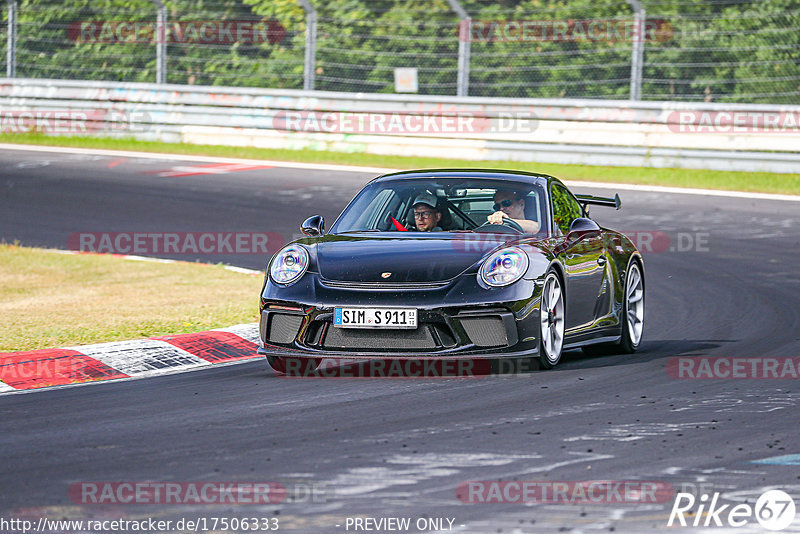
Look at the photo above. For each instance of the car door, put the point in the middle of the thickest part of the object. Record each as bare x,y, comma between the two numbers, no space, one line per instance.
584,261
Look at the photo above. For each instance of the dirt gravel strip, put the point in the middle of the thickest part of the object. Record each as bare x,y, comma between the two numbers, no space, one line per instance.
47,368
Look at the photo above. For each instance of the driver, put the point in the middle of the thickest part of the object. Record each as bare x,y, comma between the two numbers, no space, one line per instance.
426,213
511,205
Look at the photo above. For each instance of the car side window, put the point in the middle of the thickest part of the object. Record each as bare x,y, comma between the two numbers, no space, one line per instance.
532,211
565,208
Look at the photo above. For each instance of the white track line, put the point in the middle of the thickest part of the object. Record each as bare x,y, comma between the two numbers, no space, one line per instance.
381,170
684,191
241,270
233,268
190,157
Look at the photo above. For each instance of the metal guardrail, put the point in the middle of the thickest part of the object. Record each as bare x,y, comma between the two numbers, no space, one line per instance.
595,132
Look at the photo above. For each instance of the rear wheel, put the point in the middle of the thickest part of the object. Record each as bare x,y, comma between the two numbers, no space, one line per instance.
551,321
293,366
632,310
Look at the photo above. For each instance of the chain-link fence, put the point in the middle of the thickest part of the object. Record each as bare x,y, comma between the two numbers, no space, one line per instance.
704,50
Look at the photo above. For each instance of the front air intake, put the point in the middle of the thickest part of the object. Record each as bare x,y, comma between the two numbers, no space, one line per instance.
280,327
379,340
485,331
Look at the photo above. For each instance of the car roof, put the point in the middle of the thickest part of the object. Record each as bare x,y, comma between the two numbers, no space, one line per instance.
489,174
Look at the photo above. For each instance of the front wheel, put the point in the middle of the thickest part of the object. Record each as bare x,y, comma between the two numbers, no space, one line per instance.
293,366
551,322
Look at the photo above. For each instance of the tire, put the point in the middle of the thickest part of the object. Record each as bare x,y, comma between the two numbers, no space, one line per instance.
632,310
551,321
295,366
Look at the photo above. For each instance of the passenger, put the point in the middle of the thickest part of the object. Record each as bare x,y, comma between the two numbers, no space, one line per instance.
511,205
426,213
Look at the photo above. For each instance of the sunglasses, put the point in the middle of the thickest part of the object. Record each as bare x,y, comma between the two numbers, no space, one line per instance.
503,204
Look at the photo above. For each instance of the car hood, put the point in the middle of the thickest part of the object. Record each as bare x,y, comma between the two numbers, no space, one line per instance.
421,258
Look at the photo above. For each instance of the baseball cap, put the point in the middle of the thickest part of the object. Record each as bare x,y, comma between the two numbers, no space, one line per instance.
426,198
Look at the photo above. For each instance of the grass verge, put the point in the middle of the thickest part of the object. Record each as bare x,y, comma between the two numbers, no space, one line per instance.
762,182
51,300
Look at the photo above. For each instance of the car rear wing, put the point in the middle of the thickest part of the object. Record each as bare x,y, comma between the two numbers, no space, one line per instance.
600,201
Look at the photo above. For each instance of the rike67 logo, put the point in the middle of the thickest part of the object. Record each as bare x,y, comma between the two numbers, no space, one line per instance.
774,510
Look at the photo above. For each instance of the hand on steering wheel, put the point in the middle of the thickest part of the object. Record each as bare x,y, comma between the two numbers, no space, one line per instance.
505,221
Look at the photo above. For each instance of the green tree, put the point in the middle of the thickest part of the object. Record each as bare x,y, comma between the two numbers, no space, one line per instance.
49,47
763,63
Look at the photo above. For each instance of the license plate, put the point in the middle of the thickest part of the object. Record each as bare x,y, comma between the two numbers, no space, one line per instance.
375,317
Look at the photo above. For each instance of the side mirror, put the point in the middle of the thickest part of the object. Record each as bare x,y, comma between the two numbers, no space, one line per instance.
313,226
582,227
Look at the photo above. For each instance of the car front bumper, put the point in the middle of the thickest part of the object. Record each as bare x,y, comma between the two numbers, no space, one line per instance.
456,320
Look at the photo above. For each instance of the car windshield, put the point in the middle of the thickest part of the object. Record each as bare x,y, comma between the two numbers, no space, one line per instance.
462,204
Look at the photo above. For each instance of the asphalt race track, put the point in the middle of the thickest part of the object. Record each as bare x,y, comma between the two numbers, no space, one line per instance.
725,282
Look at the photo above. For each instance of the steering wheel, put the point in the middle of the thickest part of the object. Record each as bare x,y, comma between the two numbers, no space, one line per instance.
507,222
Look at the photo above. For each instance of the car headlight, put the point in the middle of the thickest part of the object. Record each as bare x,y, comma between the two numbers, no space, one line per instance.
289,265
504,267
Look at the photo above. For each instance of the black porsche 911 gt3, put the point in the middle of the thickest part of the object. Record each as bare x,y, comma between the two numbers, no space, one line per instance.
375,286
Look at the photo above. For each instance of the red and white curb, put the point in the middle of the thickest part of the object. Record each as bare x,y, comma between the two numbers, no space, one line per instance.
37,369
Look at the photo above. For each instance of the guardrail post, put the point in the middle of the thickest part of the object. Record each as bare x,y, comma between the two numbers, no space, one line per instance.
310,61
161,41
464,48
637,55
11,47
